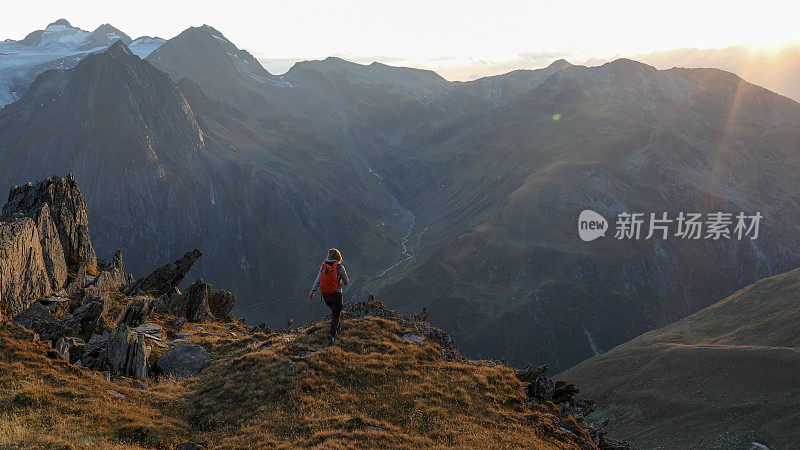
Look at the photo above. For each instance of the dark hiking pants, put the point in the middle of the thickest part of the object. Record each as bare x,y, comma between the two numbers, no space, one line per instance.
335,303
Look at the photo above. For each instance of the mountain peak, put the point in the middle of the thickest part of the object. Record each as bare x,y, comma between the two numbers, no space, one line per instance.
628,64
118,48
62,22
106,34
559,64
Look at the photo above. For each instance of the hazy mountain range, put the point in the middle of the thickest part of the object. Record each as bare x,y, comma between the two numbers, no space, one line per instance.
775,68
462,197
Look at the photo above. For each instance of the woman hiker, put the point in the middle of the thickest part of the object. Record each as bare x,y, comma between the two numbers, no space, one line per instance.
330,279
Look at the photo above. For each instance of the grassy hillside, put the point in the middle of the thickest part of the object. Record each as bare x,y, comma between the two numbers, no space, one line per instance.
723,377
374,389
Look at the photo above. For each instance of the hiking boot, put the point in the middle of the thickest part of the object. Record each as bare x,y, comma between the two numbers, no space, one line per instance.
331,340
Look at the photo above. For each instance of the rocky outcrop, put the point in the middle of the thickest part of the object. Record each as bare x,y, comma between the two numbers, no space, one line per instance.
126,353
542,389
86,318
43,228
184,361
23,275
200,303
135,311
112,277
166,278
59,209
53,252
70,347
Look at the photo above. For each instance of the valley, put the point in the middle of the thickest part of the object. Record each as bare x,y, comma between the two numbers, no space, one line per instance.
473,214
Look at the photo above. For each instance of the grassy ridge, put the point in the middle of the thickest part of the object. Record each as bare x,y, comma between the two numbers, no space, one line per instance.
288,389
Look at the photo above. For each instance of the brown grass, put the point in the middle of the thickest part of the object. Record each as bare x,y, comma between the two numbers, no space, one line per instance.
281,390
371,390
47,403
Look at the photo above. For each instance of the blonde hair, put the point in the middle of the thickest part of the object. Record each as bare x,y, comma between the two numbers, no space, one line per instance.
335,254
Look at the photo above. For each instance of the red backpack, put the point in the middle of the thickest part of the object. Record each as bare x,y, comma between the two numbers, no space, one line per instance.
329,278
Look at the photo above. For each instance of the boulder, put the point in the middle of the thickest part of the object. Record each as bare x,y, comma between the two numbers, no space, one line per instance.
97,342
23,274
86,318
135,311
94,352
70,347
126,353
184,361
541,388
411,337
165,279
200,303
221,304
40,319
114,278
150,329
34,314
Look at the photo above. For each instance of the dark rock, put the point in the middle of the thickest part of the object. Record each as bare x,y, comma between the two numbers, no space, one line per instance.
86,318
540,387
184,361
221,304
166,278
150,329
34,314
529,373
94,352
200,303
53,331
97,343
39,319
261,328
564,392
126,353
135,311
70,347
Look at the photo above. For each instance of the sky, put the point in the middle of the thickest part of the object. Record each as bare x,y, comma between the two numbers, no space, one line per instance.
459,39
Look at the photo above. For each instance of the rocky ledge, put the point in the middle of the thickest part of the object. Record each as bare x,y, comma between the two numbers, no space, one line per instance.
91,312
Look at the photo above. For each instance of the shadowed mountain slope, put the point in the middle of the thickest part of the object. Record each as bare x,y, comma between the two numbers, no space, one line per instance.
162,178
723,377
497,197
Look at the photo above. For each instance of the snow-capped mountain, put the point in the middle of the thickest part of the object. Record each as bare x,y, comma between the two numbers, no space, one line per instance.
145,45
58,46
